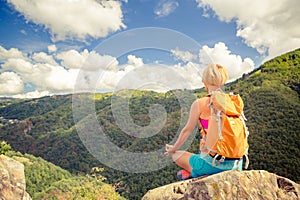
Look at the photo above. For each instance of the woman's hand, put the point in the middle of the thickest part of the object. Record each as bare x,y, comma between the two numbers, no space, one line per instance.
169,150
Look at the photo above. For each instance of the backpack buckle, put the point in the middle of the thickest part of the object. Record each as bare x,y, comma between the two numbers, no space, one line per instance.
214,160
222,159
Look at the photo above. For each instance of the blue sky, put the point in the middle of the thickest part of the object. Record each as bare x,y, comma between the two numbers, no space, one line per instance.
44,45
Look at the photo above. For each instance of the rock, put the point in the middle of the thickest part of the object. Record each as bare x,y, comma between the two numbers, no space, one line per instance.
12,180
254,184
171,191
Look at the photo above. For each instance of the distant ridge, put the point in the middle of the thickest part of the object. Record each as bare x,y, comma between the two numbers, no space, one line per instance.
7,99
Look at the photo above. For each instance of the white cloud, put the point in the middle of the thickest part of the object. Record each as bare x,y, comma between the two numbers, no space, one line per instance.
41,70
54,79
158,77
31,95
11,53
110,79
18,65
73,19
10,83
220,54
95,62
59,80
133,60
72,58
183,55
165,7
190,72
269,26
58,73
42,57
52,48
23,32
91,61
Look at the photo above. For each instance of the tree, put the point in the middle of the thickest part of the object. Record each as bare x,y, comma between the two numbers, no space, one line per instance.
4,147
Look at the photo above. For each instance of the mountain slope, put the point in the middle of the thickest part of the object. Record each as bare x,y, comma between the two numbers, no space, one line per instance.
46,181
272,105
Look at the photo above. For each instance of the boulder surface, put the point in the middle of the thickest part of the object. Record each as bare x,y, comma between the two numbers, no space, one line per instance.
253,184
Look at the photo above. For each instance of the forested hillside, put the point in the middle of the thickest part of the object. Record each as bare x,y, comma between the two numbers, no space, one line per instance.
45,126
272,106
46,181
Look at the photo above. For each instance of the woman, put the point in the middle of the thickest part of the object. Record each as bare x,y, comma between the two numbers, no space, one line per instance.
195,165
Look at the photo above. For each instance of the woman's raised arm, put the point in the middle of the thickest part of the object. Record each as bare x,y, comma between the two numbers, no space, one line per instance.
187,130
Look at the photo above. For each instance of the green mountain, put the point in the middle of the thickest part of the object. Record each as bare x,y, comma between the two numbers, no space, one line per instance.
45,126
45,181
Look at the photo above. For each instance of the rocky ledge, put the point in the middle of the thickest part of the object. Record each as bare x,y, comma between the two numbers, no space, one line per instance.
12,180
253,184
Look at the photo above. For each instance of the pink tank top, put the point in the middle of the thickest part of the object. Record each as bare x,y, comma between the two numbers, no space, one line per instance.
204,111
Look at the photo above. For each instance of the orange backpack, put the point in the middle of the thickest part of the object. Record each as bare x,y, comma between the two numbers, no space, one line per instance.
226,136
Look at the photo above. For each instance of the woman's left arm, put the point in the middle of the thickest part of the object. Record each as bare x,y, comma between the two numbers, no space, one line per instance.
187,130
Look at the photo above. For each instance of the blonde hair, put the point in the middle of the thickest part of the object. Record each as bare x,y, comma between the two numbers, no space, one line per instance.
215,75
